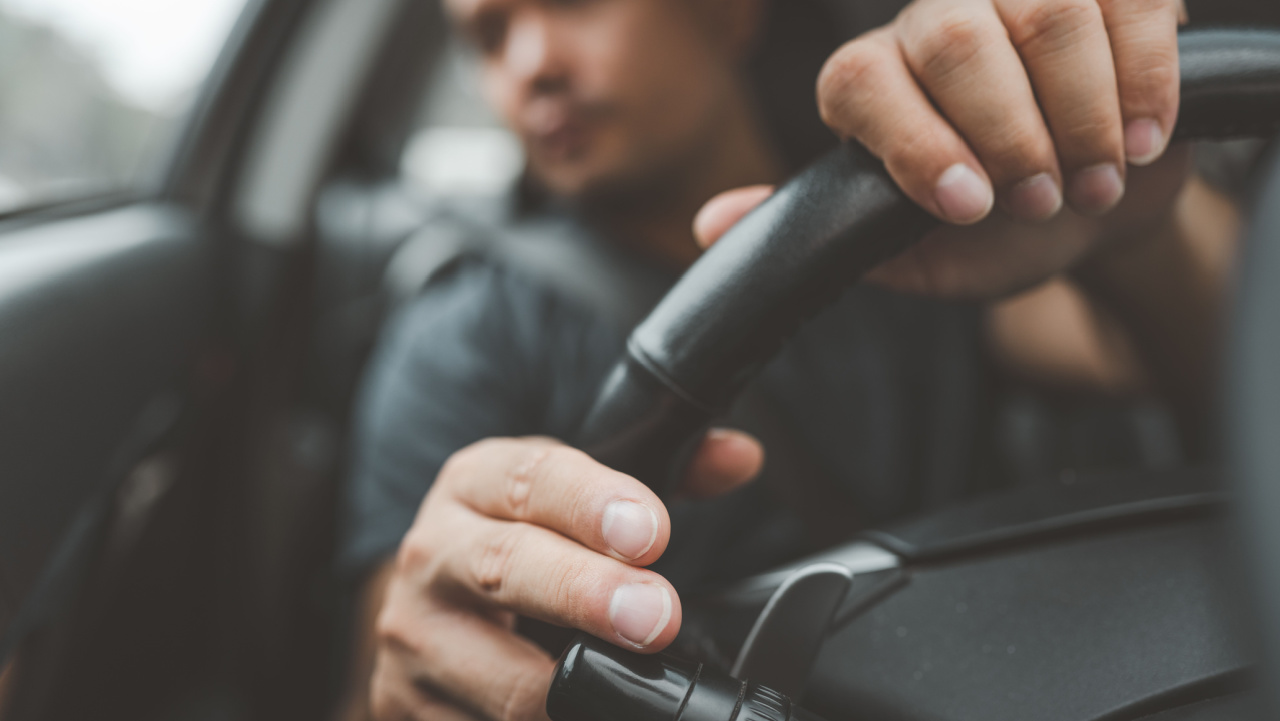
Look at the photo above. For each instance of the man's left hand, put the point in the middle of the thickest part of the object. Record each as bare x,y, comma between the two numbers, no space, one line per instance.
1022,104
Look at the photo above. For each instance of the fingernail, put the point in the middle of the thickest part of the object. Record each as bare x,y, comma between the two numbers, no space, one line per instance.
1097,189
1144,142
963,196
639,612
736,439
1036,198
629,528
721,434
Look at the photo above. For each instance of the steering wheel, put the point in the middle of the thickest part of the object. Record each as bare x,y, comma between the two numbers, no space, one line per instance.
731,312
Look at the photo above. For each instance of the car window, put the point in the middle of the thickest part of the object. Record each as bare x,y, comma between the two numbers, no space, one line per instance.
92,92
460,147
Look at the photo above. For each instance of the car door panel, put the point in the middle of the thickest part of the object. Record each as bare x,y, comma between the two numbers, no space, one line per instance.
98,321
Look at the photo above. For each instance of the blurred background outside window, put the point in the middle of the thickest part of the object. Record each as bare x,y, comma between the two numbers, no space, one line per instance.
93,92
460,147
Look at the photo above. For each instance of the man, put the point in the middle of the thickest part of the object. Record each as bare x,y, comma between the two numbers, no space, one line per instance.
634,112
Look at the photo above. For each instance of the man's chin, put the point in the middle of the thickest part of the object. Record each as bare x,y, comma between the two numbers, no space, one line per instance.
578,184
596,185
570,186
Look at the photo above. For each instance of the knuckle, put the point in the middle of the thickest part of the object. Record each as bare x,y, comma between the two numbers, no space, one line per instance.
853,67
415,554
522,477
1054,22
532,471
391,630
569,586
952,43
491,565
850,67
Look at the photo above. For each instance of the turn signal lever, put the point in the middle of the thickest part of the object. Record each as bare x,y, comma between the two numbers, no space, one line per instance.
597,680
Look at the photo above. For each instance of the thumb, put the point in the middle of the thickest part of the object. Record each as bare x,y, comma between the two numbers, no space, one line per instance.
724,211
725,460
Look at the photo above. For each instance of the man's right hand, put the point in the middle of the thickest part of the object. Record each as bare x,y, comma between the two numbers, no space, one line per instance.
527,527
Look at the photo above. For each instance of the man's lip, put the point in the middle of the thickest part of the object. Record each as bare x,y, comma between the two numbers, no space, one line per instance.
546,118
564,125
549,116
565,140
557,129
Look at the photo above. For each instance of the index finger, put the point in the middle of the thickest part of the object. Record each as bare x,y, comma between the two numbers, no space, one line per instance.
545,483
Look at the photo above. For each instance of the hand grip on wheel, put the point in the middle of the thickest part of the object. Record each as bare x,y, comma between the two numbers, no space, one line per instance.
820,232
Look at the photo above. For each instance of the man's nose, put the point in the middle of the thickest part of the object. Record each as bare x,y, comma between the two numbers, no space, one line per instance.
533,56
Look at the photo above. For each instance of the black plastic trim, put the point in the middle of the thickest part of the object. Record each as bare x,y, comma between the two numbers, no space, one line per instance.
1020,518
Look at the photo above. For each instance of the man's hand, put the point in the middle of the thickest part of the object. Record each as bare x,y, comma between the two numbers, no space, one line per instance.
974,103
1024,101
527,527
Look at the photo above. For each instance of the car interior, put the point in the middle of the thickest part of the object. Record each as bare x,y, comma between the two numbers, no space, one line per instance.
179,362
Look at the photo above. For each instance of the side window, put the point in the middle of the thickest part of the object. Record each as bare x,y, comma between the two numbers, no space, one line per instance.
92,92
460,147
